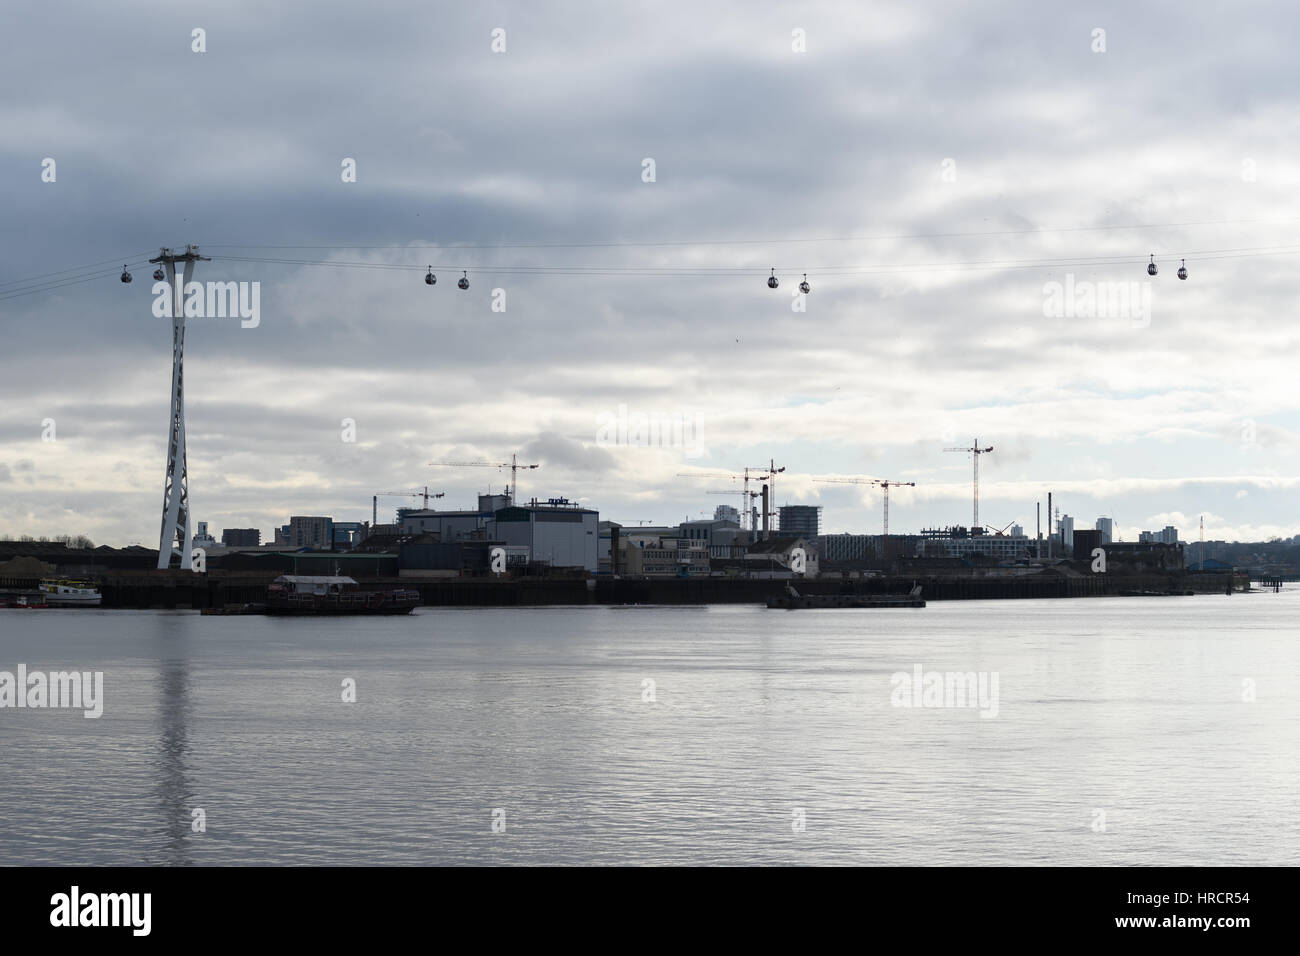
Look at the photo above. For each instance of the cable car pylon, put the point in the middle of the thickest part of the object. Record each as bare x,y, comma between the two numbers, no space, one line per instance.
176,496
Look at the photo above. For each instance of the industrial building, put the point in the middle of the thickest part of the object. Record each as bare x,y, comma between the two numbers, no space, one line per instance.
453,525
864,550
723,538
1145,556
1085,542
846,548
426,558
556,532
959,542
559,533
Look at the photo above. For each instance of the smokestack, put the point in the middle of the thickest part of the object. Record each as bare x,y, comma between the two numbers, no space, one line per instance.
766,509
1049,524
1038,529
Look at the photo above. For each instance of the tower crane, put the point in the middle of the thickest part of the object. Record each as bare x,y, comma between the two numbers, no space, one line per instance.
975,450
882,483
374,500
746,475
770,477
513,464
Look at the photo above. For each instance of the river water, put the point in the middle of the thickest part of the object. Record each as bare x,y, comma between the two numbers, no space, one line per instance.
1136,731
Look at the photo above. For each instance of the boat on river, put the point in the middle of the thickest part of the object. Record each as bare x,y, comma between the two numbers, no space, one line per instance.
335,594
62,592
792,600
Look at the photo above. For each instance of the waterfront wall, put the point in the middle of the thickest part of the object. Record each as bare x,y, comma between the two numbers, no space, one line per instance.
186,590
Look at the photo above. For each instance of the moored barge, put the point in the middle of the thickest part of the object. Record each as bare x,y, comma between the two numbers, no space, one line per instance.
792,600
335,594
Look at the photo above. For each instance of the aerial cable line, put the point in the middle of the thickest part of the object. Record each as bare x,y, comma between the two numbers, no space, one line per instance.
62,283
67,277
90,266
342,244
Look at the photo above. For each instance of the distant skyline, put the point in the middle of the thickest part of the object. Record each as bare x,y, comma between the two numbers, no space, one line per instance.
945,175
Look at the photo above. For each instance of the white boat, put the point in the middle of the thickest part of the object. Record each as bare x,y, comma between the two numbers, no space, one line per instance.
65,593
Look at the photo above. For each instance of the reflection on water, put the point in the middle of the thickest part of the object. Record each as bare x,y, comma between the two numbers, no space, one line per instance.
758,719
173,792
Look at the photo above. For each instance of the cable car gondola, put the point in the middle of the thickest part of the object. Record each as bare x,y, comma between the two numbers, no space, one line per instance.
463,281
772,282
159,275
804,287
126,276
1151,267
1182,270
430,278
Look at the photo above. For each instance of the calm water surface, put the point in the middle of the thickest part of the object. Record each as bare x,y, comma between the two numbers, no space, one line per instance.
1133,707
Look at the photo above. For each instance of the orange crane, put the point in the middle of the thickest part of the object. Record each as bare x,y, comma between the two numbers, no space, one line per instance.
374,500
975,450
513,464
882,483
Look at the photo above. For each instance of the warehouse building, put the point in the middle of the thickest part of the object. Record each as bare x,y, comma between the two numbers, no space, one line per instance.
558,533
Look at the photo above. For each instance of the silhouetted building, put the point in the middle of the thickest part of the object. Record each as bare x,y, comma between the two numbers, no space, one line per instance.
241,538
1085,542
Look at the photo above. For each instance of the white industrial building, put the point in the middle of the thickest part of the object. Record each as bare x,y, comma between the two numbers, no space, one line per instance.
557,532
561,534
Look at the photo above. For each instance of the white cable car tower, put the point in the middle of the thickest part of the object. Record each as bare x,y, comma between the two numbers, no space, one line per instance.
176,497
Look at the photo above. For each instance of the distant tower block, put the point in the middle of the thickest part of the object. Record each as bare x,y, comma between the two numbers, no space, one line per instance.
176,497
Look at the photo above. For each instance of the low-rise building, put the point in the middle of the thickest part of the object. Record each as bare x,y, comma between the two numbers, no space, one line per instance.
958,542
660,557
782,558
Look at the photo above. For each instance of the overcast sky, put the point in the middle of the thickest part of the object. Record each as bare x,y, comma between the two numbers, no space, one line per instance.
932,167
